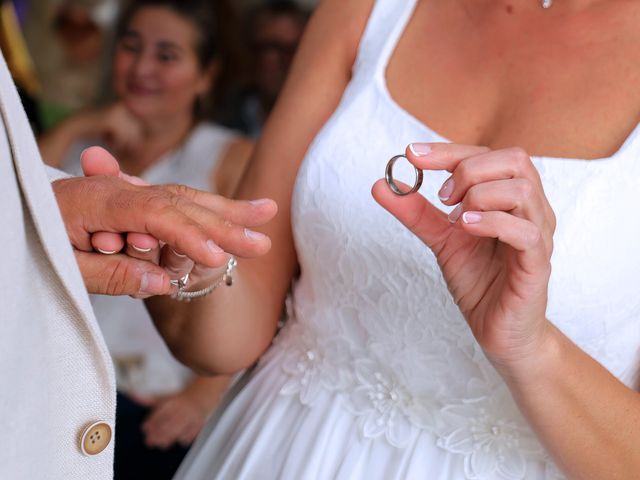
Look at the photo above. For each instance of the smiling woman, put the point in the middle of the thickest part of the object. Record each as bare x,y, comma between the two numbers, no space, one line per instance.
165,65
183,54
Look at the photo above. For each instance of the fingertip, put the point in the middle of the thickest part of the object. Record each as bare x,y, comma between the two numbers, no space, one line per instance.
107,242
267,207
383,194
265,246
380,183
417,152
378,189
97,161
142,241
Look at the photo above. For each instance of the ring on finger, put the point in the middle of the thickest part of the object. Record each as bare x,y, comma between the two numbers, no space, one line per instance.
181,283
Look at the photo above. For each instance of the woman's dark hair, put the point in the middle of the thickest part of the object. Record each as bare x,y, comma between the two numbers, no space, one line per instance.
201,13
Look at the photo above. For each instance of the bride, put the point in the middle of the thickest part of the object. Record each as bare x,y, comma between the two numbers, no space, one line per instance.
442,345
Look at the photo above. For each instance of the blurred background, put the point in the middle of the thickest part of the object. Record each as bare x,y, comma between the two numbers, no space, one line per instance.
59,53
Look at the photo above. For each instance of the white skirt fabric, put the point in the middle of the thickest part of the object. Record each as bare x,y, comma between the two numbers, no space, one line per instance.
262,434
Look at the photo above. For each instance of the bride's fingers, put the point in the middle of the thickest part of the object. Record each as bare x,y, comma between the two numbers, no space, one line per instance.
517,196
414,212
107,243
142,242
441,156
97,161
522,235
494,165
143,247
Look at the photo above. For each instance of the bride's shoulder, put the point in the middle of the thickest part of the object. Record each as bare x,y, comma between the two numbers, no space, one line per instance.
343,22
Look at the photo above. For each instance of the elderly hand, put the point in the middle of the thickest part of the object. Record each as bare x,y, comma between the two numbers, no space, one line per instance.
202,225
494,248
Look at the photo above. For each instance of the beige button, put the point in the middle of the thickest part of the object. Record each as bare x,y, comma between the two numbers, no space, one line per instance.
95,438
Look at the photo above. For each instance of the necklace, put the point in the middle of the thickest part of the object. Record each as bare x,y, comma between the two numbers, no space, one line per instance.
546,3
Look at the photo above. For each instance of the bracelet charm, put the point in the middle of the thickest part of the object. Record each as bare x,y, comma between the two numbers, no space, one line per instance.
226,278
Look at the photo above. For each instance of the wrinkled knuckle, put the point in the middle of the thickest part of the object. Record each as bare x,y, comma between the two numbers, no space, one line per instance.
183,190
179,190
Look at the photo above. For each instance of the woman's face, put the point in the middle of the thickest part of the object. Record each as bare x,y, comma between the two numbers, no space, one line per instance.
155,67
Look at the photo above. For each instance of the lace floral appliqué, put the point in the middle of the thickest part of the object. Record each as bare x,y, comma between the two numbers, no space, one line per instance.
489,431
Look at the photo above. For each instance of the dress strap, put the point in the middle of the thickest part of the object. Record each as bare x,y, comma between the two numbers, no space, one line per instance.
384,28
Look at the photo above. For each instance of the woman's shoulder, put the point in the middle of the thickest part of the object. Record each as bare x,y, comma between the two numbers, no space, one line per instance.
343,22
210,142
212,132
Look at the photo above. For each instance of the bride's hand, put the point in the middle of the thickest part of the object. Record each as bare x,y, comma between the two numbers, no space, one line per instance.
494,248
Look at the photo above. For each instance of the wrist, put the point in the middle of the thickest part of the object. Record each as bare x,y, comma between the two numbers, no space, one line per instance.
539,364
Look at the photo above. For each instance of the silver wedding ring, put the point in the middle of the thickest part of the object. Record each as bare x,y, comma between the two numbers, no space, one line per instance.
181,283
388,175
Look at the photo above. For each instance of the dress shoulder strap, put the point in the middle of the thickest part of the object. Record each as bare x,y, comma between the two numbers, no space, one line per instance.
384,28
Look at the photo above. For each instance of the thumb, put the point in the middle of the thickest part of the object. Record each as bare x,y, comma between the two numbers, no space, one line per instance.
415,212
121,275
97,161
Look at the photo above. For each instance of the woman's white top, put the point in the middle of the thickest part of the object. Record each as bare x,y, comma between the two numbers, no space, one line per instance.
376,374
144,364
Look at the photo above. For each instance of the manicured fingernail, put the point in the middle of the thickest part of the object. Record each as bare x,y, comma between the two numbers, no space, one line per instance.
420,149
152,283
213,247
182,255
471,217
254,236
259,202
455,214
140,249
107,252
446,190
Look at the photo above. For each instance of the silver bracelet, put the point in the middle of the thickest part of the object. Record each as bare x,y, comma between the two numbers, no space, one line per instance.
226,278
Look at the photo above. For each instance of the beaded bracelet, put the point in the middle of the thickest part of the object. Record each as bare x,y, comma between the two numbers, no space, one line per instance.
226,278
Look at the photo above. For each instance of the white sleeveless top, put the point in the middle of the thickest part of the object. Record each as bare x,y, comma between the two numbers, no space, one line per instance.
144,365
376,374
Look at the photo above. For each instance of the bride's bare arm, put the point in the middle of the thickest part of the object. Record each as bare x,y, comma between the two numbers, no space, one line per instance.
229,329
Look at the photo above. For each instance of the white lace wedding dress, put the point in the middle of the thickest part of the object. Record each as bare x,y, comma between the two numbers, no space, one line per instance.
376,375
